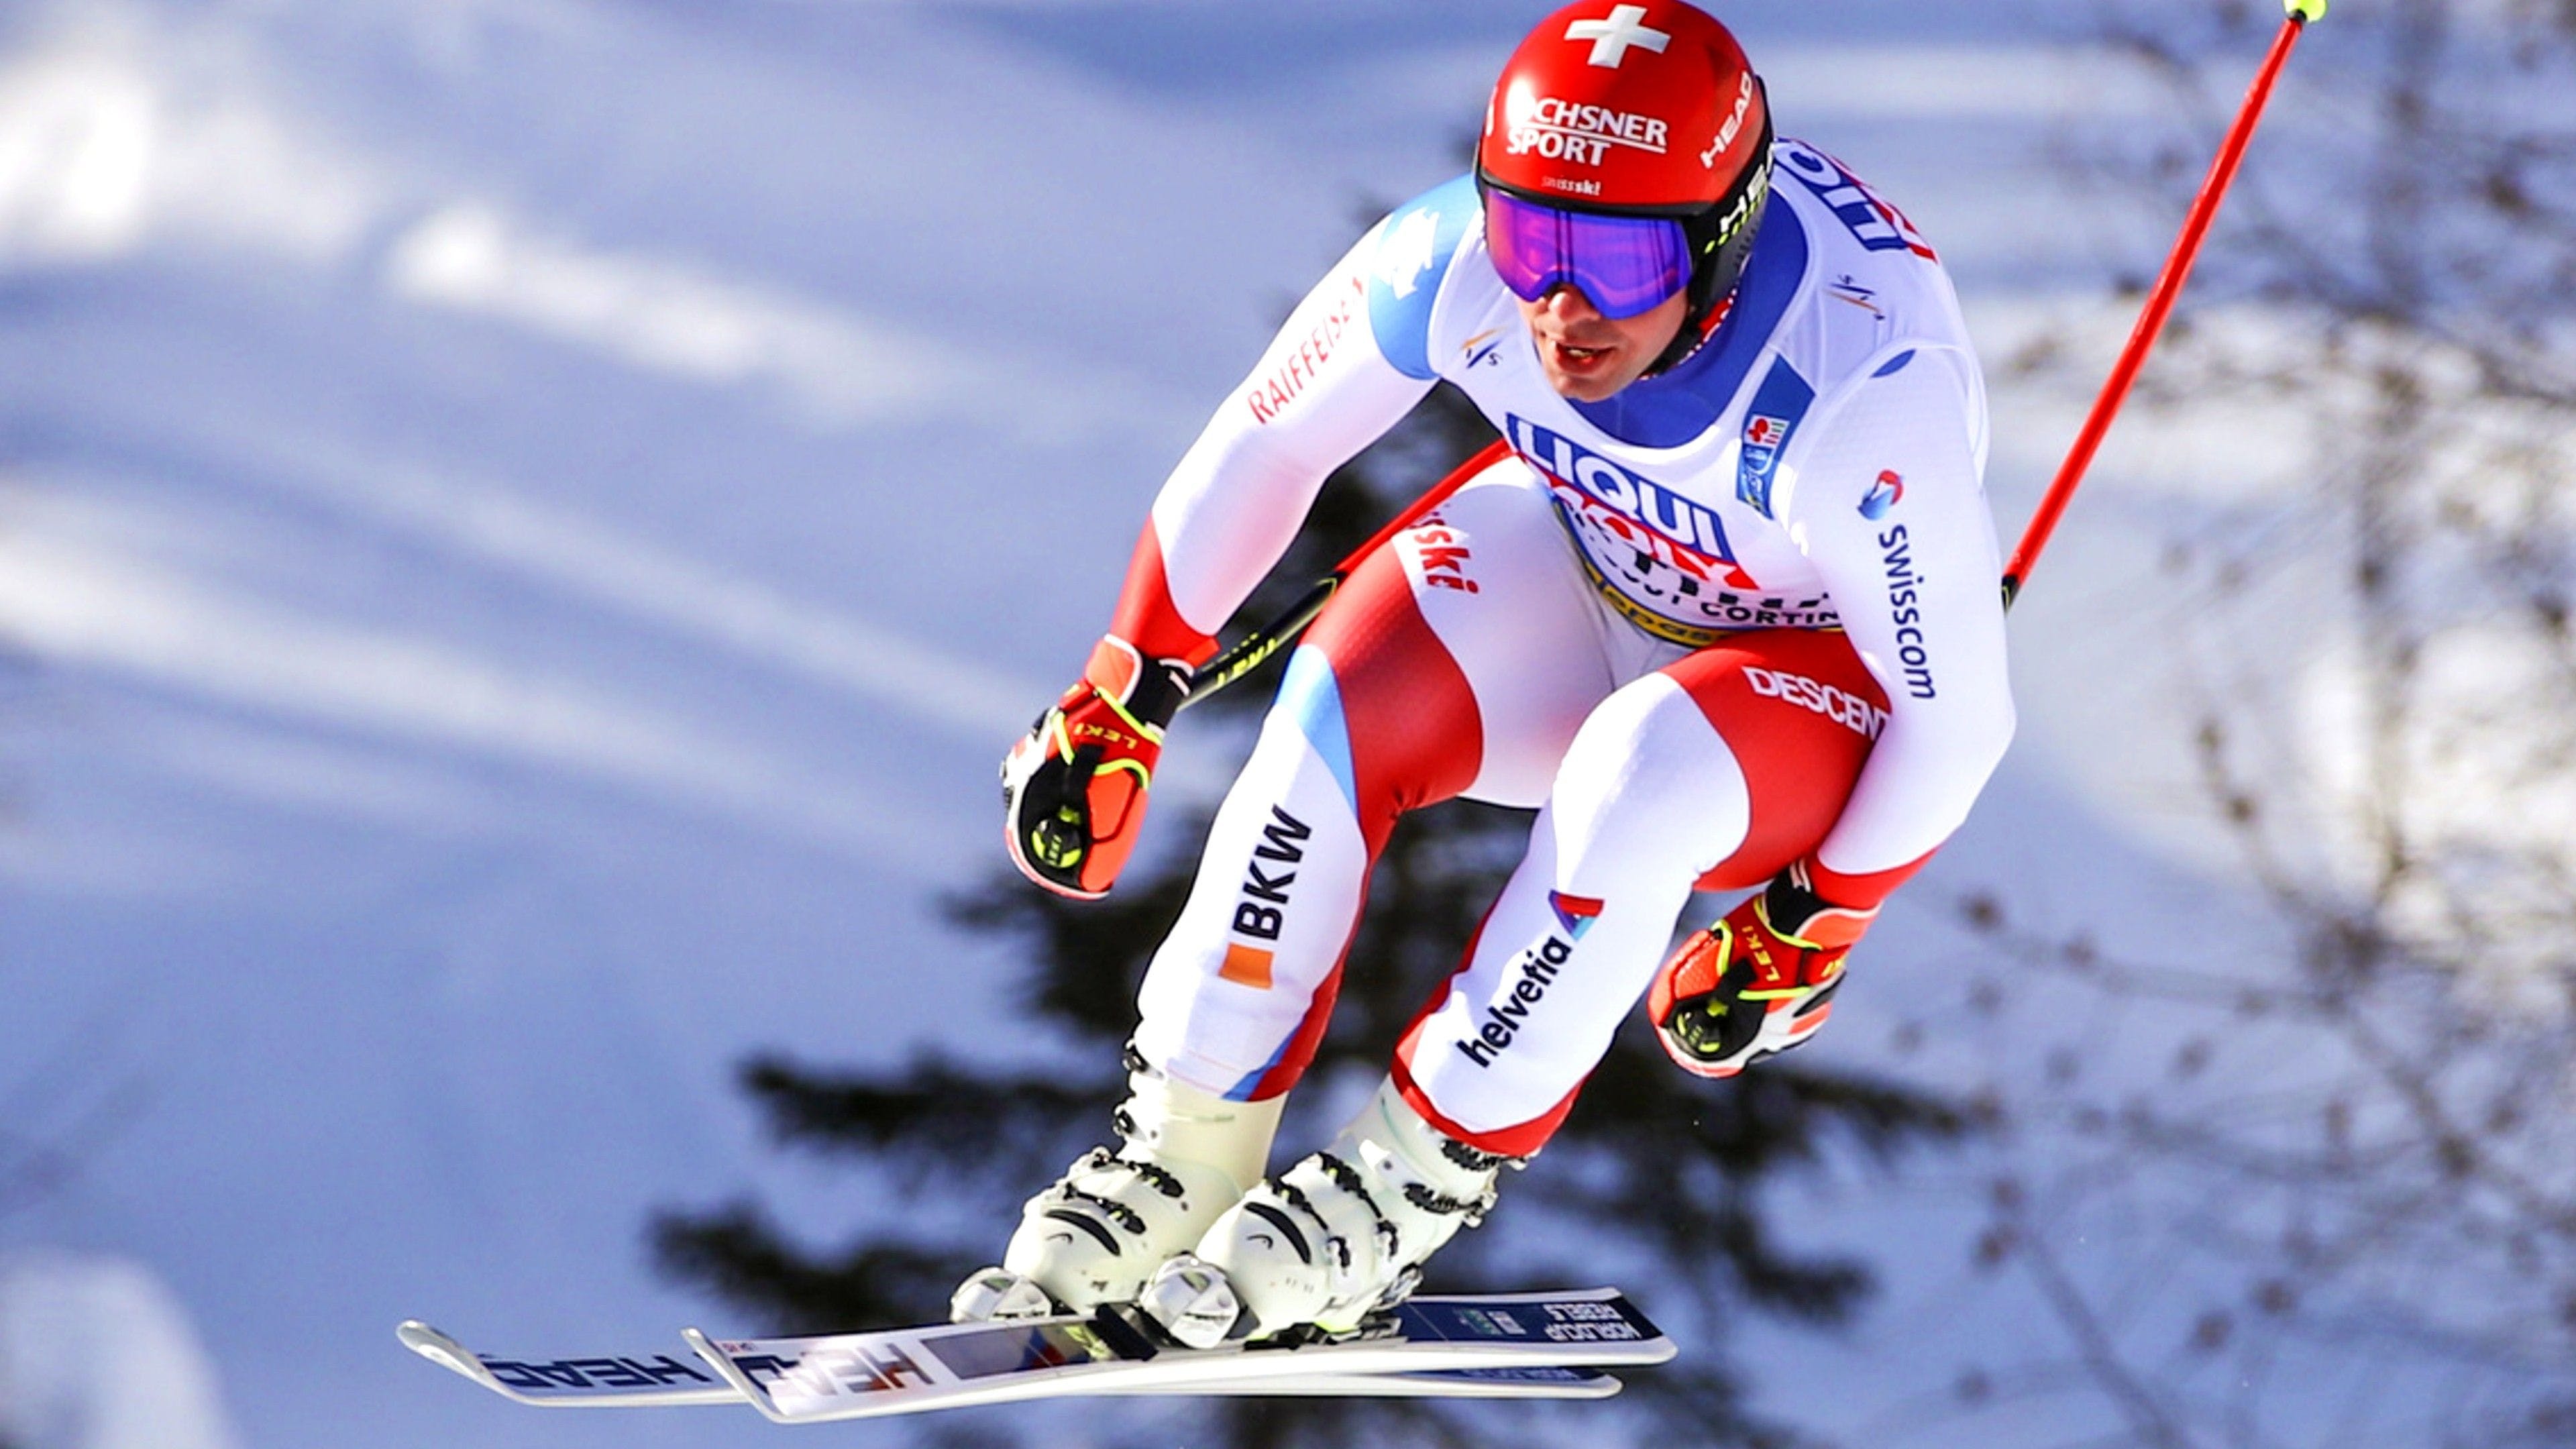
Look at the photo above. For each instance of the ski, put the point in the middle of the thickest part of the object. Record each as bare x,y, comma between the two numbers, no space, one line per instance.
665,1380
589,1381
660,1380
902,1371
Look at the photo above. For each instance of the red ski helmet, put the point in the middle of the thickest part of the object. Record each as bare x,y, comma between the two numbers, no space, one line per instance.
1636,111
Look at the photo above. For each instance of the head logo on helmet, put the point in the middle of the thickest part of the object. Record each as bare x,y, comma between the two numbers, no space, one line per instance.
1645,110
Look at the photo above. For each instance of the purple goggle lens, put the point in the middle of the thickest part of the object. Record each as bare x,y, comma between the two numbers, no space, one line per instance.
1624,264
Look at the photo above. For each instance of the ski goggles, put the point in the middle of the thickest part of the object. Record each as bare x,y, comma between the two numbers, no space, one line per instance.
1623,264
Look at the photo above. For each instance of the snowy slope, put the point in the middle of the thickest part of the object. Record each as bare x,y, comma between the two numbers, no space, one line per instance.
524,527
96,1354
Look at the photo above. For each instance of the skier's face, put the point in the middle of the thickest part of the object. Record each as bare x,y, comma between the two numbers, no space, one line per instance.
1587,356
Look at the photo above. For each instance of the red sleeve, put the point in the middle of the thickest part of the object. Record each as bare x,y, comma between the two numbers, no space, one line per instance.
1146,616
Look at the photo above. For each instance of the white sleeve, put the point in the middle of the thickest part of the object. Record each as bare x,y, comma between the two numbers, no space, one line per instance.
1891,508
1323,391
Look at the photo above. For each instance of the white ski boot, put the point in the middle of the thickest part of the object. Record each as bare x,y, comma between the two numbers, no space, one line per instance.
1104,1226
1339,1236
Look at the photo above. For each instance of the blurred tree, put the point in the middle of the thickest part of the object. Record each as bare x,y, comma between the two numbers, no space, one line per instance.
2345,1210
62,1109
1657,1180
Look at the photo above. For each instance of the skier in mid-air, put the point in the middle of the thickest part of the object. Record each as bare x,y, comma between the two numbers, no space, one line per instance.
1722,604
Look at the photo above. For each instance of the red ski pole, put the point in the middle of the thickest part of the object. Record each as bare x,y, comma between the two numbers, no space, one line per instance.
2160,301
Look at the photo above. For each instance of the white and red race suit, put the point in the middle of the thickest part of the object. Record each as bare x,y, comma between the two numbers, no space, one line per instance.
1742,614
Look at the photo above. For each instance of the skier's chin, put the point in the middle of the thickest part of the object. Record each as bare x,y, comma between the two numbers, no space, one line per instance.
1585,375
1590,374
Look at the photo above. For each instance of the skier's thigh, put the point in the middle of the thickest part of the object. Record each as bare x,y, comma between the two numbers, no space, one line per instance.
1799,712
1496,581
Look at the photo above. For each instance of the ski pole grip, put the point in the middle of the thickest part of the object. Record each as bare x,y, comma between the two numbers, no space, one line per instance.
2305,11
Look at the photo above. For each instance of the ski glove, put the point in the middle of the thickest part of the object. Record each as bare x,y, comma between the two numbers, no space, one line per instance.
1759,981
1074,788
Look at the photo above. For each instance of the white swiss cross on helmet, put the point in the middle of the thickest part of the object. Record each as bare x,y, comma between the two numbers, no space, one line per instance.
1611,38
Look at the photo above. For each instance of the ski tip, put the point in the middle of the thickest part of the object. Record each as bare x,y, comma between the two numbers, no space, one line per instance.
438,1348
